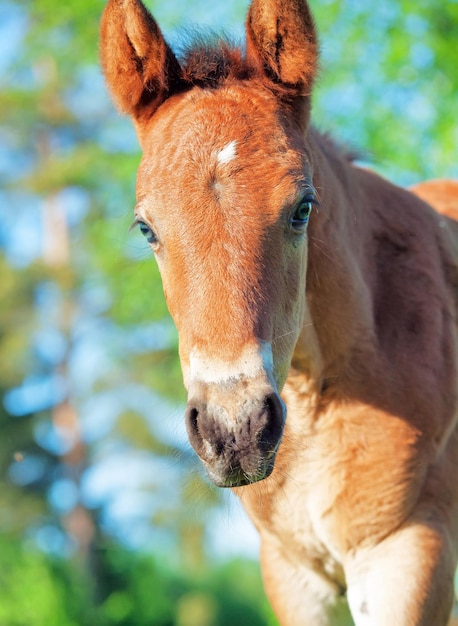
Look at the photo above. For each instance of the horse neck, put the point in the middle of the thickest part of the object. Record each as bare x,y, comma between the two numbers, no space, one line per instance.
338,332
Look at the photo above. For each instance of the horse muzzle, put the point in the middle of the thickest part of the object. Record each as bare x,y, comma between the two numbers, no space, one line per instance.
236,430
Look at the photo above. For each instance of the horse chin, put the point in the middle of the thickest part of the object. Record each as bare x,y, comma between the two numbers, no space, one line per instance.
237,477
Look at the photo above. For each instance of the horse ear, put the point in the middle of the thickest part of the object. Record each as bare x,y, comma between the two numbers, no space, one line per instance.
282,43
139,67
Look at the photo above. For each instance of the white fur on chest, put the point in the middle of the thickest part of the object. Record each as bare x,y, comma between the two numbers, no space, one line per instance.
300,522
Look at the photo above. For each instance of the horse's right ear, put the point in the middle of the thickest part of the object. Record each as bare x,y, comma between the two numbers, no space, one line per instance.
139,67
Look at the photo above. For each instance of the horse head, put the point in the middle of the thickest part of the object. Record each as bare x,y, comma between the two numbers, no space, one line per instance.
224,197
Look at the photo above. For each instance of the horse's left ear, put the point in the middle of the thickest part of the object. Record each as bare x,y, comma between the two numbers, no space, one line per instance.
139,66
282,43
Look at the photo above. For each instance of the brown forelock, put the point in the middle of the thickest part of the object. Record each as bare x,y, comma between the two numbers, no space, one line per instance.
209,61
223,258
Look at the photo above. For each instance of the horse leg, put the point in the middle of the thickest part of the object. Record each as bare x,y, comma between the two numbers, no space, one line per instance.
406,580
299,594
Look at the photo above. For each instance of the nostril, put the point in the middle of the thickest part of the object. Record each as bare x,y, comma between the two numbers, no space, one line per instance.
204,432
219,447
192,416
274,420
192,426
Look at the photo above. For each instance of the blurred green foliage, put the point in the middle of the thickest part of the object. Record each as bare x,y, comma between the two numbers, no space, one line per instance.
35,590
89,377
133,589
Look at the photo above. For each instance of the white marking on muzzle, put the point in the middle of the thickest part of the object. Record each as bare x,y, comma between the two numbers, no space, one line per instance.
254,361
228,153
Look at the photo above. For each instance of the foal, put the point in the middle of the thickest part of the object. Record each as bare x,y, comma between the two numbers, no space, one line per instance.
288,269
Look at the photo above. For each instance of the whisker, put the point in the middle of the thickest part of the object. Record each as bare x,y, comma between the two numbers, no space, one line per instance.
314,240
291,332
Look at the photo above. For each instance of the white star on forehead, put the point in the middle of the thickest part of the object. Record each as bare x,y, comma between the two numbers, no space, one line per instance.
228,153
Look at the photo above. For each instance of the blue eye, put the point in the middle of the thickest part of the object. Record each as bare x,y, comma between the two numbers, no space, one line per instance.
146,231
301,214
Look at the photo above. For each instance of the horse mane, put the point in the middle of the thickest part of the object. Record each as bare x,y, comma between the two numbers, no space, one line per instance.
332,146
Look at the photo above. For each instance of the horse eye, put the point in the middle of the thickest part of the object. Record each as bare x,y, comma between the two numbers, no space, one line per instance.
302,212
146,231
